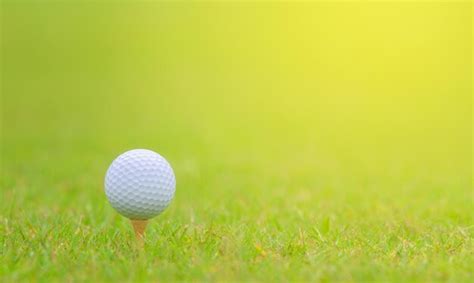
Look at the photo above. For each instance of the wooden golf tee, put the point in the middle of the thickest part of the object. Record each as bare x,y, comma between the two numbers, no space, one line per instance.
139,226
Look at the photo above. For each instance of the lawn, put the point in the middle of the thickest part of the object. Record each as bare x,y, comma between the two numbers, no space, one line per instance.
310,141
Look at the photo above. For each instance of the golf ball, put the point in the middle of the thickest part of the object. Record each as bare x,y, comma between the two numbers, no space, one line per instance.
140,184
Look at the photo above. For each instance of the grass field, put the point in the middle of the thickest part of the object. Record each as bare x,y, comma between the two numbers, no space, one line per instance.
310,141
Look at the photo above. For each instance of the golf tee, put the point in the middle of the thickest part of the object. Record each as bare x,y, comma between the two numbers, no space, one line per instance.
139,227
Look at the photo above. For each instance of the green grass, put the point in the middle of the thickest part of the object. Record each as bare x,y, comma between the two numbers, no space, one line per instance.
231,223
293,163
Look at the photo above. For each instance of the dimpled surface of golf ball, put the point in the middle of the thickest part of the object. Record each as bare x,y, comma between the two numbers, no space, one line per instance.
140,184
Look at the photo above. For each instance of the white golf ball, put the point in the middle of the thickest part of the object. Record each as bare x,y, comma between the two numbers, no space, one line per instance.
140,184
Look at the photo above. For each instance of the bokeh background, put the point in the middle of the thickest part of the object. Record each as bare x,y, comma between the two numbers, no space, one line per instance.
276,114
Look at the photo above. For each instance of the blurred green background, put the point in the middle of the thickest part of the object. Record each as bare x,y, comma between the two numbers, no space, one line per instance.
274,114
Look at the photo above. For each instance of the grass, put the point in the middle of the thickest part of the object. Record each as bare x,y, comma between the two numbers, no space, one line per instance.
233,219
288,169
